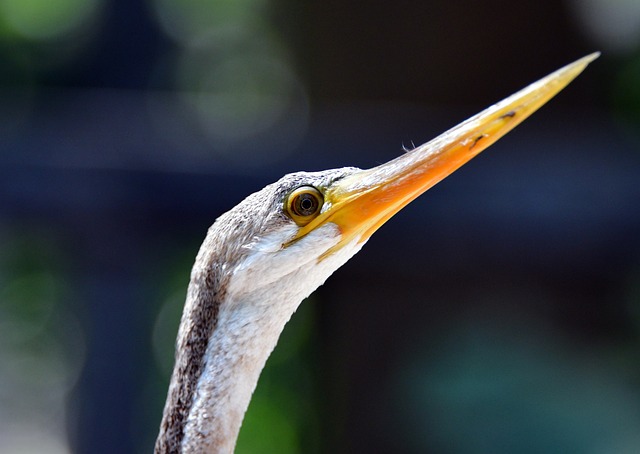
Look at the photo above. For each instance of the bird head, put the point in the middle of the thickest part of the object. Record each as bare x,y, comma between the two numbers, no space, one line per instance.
323,218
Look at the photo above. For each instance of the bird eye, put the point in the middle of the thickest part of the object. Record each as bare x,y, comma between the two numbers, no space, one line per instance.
303,204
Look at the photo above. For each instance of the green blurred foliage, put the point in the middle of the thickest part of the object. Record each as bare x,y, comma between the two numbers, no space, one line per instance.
626,94
33,292
44,19
41,343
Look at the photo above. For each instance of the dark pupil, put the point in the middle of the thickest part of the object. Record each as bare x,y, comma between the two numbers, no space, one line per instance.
306,205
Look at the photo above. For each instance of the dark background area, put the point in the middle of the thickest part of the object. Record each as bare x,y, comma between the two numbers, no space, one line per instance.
500,312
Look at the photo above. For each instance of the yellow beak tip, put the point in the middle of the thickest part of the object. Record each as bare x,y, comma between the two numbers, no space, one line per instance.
365,200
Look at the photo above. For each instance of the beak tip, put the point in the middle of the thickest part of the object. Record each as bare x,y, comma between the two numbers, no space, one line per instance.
579,65
589,58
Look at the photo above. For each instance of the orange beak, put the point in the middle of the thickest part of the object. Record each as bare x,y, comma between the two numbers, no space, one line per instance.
360,203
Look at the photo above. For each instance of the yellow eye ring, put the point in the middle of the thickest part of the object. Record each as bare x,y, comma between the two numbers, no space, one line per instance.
304,204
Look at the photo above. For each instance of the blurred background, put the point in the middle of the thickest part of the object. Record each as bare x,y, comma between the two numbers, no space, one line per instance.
498,313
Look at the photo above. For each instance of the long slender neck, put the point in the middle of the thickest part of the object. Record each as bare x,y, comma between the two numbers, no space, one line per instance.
224,340
199,320
236,355
233,316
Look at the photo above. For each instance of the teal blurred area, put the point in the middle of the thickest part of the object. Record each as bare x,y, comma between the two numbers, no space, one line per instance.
498,313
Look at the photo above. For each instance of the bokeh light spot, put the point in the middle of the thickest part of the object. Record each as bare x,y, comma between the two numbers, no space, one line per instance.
186,21
46,19
614,25
243,97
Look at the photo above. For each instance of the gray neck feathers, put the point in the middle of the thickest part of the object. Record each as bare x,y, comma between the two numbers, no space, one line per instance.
199,320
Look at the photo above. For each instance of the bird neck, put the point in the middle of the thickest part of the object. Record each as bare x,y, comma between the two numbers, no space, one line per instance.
238,349
224,340
233,316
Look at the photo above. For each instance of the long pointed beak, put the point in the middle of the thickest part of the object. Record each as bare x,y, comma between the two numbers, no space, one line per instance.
360,203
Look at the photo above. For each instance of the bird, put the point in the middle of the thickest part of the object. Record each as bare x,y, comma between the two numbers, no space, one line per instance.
259,261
